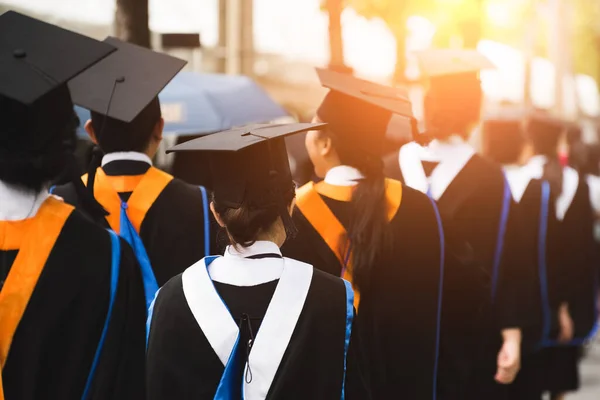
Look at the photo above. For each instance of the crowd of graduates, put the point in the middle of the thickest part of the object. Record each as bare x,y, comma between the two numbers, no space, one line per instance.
421,271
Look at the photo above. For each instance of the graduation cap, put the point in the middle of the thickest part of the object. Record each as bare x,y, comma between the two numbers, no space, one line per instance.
36,61
360,111
125,87
250,164
443,62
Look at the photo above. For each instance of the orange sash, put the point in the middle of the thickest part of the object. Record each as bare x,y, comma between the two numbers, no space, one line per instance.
145,190
322,219
34,238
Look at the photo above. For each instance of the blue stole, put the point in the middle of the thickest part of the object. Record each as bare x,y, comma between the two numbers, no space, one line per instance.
114,282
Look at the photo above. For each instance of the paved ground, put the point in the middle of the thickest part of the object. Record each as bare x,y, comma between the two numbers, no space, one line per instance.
590,375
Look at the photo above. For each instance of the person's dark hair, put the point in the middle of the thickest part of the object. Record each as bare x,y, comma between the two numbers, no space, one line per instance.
369,232
33,171
544,137
114,135
452,105
257,214
503,141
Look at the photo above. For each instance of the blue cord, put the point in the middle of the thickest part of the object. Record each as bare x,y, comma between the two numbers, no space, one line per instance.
440,295
206,221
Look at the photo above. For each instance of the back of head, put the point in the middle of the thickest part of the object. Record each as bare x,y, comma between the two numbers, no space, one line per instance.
114,135
36,139
503,140
453,105
545,133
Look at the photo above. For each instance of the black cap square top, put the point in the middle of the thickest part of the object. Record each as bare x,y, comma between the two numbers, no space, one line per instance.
36,57
123,84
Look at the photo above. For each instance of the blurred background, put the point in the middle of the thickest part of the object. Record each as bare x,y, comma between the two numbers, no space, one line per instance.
547,54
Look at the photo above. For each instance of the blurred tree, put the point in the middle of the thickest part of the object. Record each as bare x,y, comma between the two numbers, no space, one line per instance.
395,14
131,22
334,10
585,37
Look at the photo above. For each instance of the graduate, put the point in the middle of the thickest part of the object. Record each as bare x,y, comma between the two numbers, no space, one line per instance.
385,238
474,198
72,306
164,219
251,324
569,300
504,142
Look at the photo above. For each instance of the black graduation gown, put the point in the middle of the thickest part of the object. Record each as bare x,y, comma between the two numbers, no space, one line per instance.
173,229
542,240
397,318
55,342
579,288
183,362
471,206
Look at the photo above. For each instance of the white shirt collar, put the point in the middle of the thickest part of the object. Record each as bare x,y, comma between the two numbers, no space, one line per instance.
452,155
126,155
343,175
18,204
259,247
234,268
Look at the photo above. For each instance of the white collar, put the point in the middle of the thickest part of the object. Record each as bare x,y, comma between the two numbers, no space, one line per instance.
534,169
17,203
452,156
276,330
126,155
259,247
343,175
238,270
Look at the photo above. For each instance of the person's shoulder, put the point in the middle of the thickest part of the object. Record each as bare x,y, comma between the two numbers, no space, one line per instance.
66,192
87,231
414,203
183,198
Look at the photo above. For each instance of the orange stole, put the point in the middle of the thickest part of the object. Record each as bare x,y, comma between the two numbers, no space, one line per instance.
35,239
322,219
145,190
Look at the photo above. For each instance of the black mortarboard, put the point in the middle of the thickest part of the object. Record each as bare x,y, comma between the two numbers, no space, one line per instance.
250,163
122,85
36,61
360,111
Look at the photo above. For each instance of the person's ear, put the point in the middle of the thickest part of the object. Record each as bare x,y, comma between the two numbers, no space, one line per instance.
216,215
89,128
158,129
326,144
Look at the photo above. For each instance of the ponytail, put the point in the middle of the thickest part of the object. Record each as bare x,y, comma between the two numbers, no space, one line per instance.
369,233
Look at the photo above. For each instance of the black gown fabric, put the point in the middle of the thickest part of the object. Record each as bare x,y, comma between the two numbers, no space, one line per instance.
56,340
398,316
173,230
471,208
549,267
181,364
579,290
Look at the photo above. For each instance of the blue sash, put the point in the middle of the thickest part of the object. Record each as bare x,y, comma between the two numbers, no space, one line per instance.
440,294
114,282
349,319
500,240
